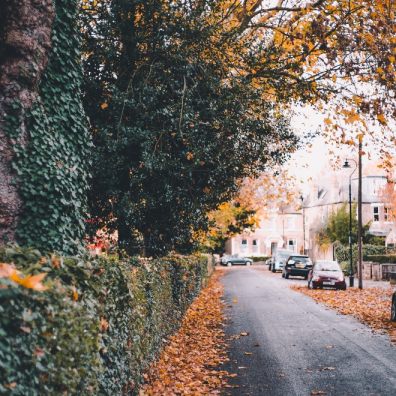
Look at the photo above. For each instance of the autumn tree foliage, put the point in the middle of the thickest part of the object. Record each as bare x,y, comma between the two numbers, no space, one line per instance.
256,197
175,124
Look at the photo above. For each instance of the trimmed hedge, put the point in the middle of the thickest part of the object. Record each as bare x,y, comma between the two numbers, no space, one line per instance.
259,258
98,326
342,252
382,259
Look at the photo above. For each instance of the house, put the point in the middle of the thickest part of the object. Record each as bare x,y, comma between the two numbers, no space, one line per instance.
331,191
281,228
296,227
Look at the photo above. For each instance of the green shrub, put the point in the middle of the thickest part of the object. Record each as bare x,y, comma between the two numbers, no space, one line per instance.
342,252
382,259
258,258
98,326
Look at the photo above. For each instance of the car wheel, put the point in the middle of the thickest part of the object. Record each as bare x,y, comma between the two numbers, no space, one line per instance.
229,264
283,275
248,263
393,310
273,269
310,285
287,276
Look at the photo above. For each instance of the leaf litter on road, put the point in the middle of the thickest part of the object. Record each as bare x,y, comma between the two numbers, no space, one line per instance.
370,306
190,363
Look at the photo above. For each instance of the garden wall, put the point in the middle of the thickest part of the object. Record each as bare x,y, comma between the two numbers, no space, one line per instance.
97,327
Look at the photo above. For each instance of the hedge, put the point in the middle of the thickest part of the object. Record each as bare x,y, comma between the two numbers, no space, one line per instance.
97,327
342,252
259,258
382,259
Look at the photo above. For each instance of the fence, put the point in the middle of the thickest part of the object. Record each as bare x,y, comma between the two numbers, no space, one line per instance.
377,271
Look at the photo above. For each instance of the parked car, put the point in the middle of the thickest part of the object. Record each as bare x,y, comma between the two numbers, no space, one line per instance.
297,265
279,258
231,260
393,309
326,273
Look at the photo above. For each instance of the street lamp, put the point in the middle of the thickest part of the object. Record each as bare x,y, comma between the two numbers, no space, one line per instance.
302,205
348,166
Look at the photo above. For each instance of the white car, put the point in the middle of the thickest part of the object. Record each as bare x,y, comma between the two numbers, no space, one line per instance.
279,259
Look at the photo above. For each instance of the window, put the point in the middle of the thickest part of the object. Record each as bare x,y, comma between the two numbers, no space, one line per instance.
244,245
386,214
291,245
375,213
254,242
255,245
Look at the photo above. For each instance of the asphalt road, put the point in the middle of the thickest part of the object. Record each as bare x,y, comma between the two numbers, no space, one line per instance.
297,347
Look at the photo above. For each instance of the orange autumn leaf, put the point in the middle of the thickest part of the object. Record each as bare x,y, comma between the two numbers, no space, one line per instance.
30,282
188,365
103,325
370,306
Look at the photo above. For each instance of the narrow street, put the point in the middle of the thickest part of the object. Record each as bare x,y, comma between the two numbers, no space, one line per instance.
297,347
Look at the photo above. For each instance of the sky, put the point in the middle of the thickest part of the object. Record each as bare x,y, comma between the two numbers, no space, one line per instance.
308,162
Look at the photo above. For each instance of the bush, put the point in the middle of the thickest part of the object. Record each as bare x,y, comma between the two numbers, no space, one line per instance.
342,252
98,326
259,258
382,259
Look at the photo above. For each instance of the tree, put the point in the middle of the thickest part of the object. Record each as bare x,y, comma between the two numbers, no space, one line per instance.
25,30
43,130
337,229
174,125
184,99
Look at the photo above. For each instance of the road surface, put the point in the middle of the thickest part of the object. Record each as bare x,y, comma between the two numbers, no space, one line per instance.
297,347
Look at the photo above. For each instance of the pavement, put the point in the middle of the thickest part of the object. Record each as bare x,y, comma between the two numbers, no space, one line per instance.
295,346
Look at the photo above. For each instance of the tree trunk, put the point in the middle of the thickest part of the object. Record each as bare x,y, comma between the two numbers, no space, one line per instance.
25,40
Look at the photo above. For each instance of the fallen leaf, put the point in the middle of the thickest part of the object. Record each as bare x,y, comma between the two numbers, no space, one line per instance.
248,353
244,333
30,282
318,392
189,363
327,369
370,305
104,324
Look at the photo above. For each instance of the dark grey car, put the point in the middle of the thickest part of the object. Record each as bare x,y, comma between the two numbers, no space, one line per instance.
234,260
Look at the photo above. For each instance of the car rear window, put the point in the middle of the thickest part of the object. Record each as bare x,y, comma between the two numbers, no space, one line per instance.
300,259
328,266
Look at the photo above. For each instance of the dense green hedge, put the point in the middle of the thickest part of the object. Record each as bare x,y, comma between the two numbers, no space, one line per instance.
382,259
258,258
342,252
97,327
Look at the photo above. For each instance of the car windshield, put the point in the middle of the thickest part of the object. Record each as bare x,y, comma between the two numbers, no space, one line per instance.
328,266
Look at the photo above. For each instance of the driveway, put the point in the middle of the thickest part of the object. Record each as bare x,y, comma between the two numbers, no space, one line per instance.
297,347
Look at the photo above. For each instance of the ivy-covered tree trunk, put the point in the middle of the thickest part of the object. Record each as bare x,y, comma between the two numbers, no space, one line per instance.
25,40
46,133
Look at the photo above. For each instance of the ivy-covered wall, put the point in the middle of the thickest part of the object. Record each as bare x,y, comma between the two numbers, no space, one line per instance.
53,168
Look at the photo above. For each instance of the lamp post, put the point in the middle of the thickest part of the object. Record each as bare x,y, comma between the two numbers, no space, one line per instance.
348,166
303,214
